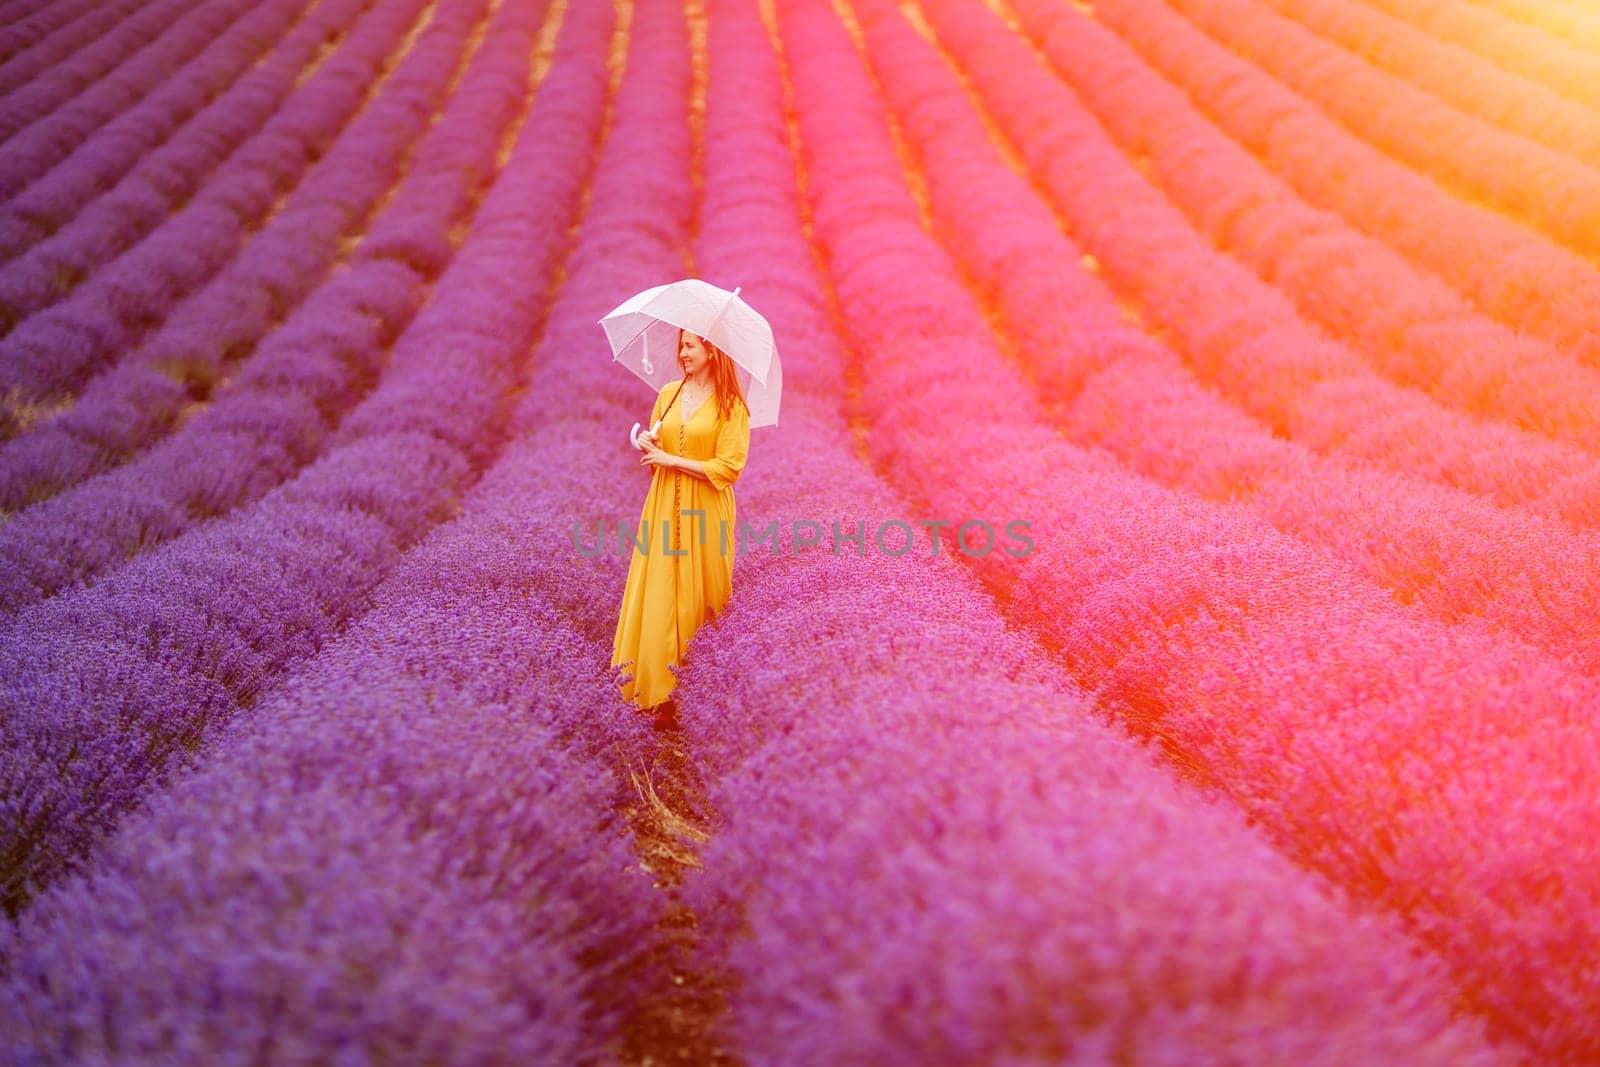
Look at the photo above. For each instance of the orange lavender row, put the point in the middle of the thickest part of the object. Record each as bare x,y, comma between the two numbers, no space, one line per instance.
1453,74
1412,327
1509,271
1570,20
1550,191
1515,47
1444,773
1238,333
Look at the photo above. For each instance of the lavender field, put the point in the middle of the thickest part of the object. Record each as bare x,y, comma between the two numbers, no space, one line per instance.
1273,326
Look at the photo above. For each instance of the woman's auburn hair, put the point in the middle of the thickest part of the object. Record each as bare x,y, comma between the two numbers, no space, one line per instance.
724,382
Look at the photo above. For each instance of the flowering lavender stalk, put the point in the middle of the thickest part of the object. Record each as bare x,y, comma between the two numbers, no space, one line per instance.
107,686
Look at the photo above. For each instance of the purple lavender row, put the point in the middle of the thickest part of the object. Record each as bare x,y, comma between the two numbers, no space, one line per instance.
109,312
286,399
105,686
37,38
409,855
1036,887
56,196
145,394
458,638
66,102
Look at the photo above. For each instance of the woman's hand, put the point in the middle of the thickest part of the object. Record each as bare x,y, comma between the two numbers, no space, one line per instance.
654,455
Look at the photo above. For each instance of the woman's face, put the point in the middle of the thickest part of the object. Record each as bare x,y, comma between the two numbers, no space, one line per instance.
693,355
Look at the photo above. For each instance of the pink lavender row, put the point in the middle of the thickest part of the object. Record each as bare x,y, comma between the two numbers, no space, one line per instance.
1298,688
1245,337
61,106
209,335
1032,883
1549,191
106,686
119,302
408,853
461,668
26,23
237,74
1413,327
1518,276
1454,553
284,402
34,39
1453,74
1515,47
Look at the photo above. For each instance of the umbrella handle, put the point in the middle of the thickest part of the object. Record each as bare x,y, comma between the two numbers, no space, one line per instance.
633,434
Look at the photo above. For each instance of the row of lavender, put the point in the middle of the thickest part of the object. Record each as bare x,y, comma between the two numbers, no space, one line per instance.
1254,345
1454,553
47,117
436,785
1452,74
164,29
963,840
1239,333
189,635
1407,743
1549,190
34,38
452,616
1407,323
1510,272
187,125
1568,19
160,249
285,401
1515,47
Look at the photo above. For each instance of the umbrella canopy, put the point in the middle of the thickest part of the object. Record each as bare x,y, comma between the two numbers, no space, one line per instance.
643,332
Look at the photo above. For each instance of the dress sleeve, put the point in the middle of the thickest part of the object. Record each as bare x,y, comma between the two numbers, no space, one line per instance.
656,412
733,446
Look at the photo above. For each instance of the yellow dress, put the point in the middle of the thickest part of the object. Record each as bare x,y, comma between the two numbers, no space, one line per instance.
683,573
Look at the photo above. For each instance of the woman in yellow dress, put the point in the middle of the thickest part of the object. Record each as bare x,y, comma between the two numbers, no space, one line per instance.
682,568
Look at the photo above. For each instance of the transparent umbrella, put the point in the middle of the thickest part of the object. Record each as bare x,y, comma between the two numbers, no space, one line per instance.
643,332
